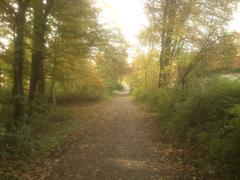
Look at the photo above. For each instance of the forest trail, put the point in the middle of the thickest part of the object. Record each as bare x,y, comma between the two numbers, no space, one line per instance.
118,140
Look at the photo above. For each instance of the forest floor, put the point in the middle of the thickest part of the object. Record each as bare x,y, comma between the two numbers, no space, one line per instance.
118,140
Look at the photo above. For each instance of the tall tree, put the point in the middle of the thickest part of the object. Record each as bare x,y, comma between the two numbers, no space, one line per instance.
41,12
111,58
186,25
18,16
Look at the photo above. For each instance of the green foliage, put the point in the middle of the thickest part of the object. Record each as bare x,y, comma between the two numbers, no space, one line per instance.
206,116
69,56
33,141
193,46
111,59
191,35
82,59
18,142
145,95
74,58
2,131
81,95
145,71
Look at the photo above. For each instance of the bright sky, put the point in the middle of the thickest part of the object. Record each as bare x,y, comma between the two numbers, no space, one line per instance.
129,16
235,24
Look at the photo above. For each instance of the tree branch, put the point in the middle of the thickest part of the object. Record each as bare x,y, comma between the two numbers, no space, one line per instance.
206,44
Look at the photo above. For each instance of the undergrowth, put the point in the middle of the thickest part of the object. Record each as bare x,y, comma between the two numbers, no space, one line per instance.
205,116
26,146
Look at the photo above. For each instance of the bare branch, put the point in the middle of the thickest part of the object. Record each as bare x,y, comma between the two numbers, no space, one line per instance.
207,43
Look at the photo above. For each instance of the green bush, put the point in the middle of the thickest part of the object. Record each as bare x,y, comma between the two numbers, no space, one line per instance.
2,131
114,86
141,94
145,95
18,143
25,146
206,116
81,95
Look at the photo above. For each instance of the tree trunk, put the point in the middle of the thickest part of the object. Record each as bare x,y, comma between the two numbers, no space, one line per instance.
53,83
162,55
168,22
18,63
37,82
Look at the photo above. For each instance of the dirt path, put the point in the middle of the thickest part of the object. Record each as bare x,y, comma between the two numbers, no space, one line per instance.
118,141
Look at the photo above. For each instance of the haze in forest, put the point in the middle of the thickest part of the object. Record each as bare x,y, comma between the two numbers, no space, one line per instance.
131,18
120,89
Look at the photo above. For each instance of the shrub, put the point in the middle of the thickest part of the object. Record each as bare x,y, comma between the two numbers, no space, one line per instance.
145,95
206,116
23,147
81,95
